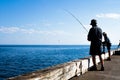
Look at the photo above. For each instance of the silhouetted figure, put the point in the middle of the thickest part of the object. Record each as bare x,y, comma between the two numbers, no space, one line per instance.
107,43
118,44
95,37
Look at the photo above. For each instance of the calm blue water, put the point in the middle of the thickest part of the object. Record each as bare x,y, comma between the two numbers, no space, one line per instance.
21,59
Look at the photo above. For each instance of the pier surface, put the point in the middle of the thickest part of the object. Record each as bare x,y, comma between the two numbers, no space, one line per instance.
111,72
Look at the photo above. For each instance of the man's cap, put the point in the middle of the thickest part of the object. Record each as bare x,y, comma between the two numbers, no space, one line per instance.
93,21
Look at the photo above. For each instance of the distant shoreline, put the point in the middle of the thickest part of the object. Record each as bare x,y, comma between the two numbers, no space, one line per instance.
24,45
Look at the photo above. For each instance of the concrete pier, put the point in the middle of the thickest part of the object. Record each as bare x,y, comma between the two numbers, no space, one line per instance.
111,72
77,68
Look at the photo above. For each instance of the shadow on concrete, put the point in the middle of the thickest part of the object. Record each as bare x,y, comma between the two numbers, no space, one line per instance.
117,53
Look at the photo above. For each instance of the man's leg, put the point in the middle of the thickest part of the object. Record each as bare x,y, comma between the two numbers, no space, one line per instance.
102,63
108,47
103,48
94,62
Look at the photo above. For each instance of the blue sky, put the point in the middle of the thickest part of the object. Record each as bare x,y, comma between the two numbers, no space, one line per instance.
46,22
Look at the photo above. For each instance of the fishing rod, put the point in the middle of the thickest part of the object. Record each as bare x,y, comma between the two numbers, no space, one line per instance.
79,21
76,19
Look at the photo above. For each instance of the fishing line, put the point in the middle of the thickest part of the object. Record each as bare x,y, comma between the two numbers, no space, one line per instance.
76,19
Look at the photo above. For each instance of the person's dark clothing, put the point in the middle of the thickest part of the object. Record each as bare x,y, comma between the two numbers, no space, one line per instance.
107,42
118,45
95,36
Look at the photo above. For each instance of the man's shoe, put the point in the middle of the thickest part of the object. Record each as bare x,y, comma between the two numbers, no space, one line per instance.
102,68
93,68
108,59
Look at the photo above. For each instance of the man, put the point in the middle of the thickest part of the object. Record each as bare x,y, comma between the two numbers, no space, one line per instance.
107,43
118,45
95,37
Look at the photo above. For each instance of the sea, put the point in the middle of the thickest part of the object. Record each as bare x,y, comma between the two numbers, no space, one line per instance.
21,59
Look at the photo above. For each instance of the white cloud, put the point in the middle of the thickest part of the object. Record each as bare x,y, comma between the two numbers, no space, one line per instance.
109,15
11,30
27,31
31,25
